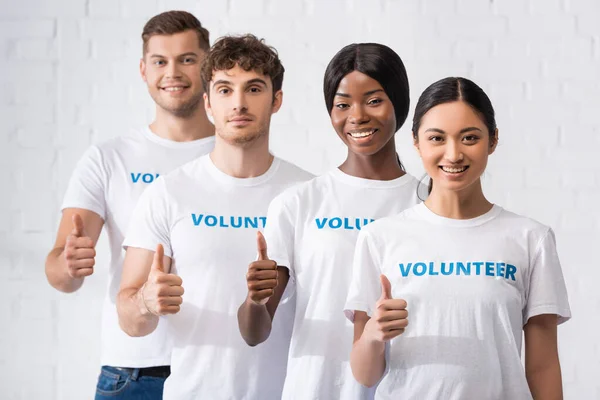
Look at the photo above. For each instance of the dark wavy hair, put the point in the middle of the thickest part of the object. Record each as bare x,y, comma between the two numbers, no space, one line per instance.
249,53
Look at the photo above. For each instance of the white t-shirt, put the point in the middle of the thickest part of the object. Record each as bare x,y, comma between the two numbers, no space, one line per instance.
312,230
471,285
108,180
207,223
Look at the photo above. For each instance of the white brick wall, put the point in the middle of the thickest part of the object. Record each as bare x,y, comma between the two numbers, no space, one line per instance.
70,77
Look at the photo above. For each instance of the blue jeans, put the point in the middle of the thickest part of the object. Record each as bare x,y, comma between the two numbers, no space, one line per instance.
114,383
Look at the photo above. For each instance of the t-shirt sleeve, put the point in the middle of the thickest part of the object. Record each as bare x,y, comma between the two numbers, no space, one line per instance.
149,224
547,293
365,287
279,233
87,186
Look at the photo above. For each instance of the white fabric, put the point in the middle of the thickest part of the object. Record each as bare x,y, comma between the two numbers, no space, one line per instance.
108,180
207,222
312,229
470,285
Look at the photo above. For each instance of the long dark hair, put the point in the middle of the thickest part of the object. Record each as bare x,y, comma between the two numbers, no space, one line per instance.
452,89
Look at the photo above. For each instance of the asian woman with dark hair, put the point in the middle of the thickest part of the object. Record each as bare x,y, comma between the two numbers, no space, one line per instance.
473,275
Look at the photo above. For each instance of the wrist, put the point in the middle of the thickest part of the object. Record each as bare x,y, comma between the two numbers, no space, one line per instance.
370,338
142,303
253,304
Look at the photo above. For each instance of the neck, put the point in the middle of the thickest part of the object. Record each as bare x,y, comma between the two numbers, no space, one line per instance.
248,161
168,126
381,166
465,204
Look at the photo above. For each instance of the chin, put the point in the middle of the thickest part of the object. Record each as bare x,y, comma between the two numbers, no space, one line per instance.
456,186
363,150
241,139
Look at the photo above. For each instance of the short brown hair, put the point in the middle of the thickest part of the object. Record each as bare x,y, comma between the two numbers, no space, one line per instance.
172,22
246,51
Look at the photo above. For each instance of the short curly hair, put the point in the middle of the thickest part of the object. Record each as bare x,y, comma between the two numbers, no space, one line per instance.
246,51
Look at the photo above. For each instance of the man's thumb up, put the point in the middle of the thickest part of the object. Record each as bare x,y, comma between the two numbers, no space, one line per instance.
158,262
261,245
386,288
77,226
162,293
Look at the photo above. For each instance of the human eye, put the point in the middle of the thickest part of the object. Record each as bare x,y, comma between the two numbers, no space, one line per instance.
341,106
470,139
254,89
374,102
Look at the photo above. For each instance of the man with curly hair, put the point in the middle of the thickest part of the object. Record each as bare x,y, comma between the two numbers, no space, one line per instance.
195,227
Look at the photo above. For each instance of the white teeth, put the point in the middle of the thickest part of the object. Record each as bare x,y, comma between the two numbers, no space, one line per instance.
362,134
454,170
174,89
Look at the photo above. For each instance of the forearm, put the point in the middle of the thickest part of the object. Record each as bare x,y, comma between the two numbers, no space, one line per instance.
367,360
545,382
134,317
57,273
254,322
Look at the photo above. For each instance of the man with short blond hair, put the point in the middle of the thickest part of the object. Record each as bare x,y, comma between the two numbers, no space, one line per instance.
107,183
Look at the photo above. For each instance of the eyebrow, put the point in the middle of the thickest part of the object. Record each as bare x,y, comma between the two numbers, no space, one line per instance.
250,82
370,92
256,80
222,82
189,53
464,130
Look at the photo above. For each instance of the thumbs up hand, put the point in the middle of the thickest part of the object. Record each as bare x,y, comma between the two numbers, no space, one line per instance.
161,294
79,251
390,317
262,274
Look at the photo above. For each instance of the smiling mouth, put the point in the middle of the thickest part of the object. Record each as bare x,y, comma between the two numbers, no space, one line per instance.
454,170
363,133
174,88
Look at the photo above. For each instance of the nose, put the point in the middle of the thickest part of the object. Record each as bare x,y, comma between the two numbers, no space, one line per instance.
240,103
453,152
358,115
173,71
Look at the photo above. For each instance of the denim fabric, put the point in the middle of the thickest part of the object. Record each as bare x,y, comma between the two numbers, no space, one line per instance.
114,383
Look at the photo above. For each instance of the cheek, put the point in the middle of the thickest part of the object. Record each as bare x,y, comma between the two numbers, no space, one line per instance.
261,106
430,157
481,156
152,76
337,121
192,71
215,106
388,118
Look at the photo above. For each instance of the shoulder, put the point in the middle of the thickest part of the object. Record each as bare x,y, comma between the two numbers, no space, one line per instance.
131,137
523,228
306,191
403,220
292,172
521,221
185,174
